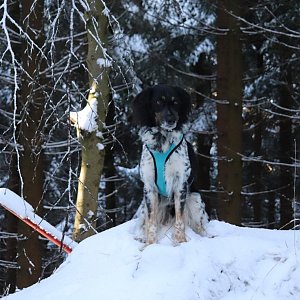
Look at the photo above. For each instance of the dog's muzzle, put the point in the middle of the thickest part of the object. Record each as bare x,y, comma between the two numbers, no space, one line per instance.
168,119
169,126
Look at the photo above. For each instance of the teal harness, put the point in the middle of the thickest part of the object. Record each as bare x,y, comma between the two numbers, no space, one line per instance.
159,160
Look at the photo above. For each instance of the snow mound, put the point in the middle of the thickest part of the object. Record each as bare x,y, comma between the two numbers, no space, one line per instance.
230,263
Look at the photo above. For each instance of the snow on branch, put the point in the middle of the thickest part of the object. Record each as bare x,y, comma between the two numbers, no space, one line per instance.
24,211
86,119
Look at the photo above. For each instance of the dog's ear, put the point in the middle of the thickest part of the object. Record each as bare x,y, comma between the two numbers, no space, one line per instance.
143,114
185,104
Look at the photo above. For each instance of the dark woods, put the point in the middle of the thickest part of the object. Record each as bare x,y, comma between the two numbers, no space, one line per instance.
238,60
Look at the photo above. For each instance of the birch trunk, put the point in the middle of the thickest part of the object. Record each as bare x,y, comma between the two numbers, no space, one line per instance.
90,135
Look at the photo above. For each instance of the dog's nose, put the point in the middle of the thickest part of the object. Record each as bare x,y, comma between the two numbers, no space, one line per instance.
169,117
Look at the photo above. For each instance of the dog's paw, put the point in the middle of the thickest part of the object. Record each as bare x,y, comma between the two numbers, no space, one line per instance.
179,235
178,240
150,240
199,229
151,235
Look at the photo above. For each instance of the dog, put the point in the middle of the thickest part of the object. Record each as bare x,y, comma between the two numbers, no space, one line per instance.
168,165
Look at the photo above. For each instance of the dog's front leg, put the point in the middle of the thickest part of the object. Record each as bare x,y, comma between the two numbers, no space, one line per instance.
151,199
179,230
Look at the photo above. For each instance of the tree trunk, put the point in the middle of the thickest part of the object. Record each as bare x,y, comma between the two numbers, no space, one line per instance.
14,179
257,202
286,154
229,122
258,131
12,227
271,210
31,106
204,140
110,173
92,156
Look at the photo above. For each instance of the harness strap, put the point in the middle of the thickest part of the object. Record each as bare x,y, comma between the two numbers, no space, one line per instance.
159,160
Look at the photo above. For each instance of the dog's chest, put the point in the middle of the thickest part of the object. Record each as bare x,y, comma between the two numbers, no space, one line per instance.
165,175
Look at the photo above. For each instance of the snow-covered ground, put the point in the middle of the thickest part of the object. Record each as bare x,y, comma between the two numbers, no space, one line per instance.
230,263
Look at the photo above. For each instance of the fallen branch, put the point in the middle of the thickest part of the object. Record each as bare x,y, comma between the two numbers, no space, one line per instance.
25,212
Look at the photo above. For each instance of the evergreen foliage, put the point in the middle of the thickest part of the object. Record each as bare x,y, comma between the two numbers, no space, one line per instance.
148,42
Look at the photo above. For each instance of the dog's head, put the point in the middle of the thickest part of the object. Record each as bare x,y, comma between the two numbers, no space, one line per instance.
162,106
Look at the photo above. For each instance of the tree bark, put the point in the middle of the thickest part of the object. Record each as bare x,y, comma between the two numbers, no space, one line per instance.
286,153
12,227
31,106
204,141
257,201
258,132
229,122
92,155
110,173
14,180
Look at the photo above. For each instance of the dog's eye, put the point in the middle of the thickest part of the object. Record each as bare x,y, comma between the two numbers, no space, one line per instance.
174,101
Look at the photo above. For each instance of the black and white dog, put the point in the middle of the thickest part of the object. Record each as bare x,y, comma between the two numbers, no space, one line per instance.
168,164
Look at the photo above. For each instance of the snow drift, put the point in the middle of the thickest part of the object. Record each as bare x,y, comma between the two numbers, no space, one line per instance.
230,263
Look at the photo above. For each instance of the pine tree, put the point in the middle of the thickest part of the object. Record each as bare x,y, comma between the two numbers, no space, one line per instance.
31,105
229,122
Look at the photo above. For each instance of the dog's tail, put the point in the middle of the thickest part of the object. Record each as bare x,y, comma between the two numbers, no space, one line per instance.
195,214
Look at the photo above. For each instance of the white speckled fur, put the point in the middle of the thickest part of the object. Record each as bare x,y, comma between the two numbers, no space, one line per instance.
177,168
177,172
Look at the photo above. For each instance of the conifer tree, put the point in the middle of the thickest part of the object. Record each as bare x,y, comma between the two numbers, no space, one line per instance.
229,122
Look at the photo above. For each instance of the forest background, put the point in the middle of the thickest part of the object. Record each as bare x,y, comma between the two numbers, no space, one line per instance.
69,71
